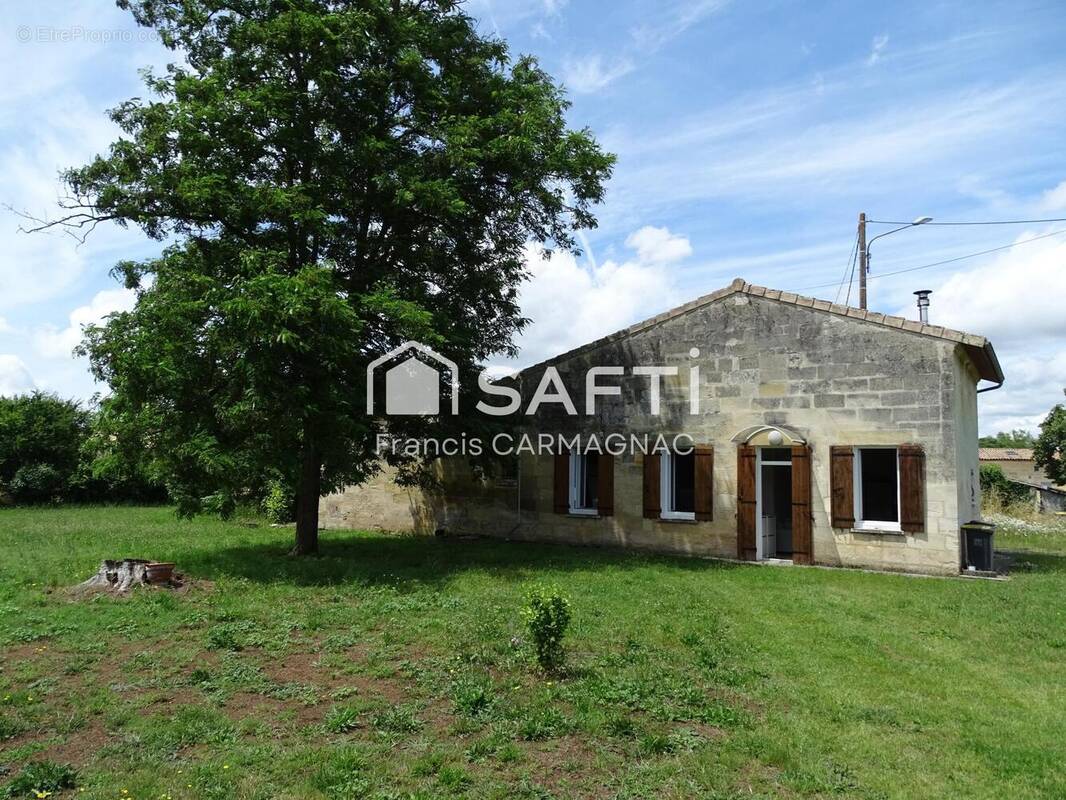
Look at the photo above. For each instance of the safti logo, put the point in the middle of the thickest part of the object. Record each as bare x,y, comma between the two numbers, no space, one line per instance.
412,387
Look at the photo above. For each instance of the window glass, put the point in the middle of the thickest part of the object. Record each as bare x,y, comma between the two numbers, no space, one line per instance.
683,469
584,482
590,490
776,454
879,490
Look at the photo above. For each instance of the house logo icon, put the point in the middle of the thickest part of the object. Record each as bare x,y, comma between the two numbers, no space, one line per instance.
412,386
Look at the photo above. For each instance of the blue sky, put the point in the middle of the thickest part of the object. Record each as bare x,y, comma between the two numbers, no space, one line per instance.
749,137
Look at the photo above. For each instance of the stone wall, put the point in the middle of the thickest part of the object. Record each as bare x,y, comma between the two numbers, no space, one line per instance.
834,380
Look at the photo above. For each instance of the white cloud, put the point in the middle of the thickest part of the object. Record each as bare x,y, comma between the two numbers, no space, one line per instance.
877,47
671,22
572,303
1018,295
52,342
15,377
1016,301
591,74
1055,199
658,245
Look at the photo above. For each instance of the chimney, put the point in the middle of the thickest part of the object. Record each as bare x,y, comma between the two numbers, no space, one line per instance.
923,304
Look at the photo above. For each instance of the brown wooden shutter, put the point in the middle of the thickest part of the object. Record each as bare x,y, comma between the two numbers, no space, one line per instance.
652,487
802,540
605,485
704,506
912,488
561,499
746,503
842,486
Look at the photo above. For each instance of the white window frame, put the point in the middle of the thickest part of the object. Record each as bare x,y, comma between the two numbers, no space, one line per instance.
862,524
666,491
578,473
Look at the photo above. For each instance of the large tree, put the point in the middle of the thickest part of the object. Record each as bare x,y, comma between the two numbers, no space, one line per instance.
331,178
1049,453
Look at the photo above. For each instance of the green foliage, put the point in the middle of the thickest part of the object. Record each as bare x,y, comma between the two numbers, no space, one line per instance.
342,719
279,505
998,490
547,616
1015,438
39,777
332,179
56,450
1050,449
40,436
36,483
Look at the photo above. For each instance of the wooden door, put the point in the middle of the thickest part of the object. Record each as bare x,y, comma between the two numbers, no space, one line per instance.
746,505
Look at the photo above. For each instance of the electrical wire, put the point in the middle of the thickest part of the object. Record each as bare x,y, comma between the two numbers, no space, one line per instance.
848,267
949,260
989,222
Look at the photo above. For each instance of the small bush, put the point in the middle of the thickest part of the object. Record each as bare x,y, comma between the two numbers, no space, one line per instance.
40,777
36,483
547,616
1000,491
279,505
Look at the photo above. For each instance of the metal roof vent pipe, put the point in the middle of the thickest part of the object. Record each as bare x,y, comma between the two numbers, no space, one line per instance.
923,305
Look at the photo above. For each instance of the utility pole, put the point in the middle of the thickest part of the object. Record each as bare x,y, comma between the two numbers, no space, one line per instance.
862,260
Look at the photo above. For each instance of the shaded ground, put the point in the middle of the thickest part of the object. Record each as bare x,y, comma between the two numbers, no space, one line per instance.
389,668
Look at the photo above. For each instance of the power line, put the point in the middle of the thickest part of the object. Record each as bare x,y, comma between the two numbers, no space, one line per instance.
987,222
848,267
949,260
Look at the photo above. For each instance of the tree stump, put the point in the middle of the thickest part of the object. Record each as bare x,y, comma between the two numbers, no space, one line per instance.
117,576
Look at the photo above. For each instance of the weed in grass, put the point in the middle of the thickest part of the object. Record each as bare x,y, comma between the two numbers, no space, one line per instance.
41,779
342,775
544,723
397,720
454,778
472,695
621,727
10,726
342,719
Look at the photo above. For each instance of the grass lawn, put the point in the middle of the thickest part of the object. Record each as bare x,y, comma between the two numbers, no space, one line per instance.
398,667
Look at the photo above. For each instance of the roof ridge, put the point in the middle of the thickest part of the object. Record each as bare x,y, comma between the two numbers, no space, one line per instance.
740,286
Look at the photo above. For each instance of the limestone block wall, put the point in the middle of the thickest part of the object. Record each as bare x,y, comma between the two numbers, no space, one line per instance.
832,379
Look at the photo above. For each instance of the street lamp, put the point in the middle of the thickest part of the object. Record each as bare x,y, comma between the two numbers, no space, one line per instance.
865,250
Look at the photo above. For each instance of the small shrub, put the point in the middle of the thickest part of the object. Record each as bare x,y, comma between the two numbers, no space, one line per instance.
40,777
547,616
36,483
279,505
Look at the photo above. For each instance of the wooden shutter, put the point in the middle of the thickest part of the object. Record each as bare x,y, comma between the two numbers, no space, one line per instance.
605,485
842,486
652,487
561,498
704,506
746,503
912,488
802,540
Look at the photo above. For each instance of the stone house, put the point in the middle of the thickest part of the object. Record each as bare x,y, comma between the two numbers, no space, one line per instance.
817,434
1017,464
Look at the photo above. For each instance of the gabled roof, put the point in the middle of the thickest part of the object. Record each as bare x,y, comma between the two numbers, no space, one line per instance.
1005,454
978,348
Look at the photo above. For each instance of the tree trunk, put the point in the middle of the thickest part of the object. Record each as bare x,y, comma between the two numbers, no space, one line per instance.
307,495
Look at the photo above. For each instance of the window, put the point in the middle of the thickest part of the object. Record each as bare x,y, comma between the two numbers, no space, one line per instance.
584,483
877,488
679,485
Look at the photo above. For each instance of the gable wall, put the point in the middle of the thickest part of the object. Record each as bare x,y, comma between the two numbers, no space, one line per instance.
834,380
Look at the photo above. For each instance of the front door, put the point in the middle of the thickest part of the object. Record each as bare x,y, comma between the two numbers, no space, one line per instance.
774,503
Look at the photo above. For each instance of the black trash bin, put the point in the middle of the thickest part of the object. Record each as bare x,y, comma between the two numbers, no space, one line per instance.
977,546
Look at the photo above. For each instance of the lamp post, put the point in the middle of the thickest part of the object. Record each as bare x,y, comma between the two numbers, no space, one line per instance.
864,250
